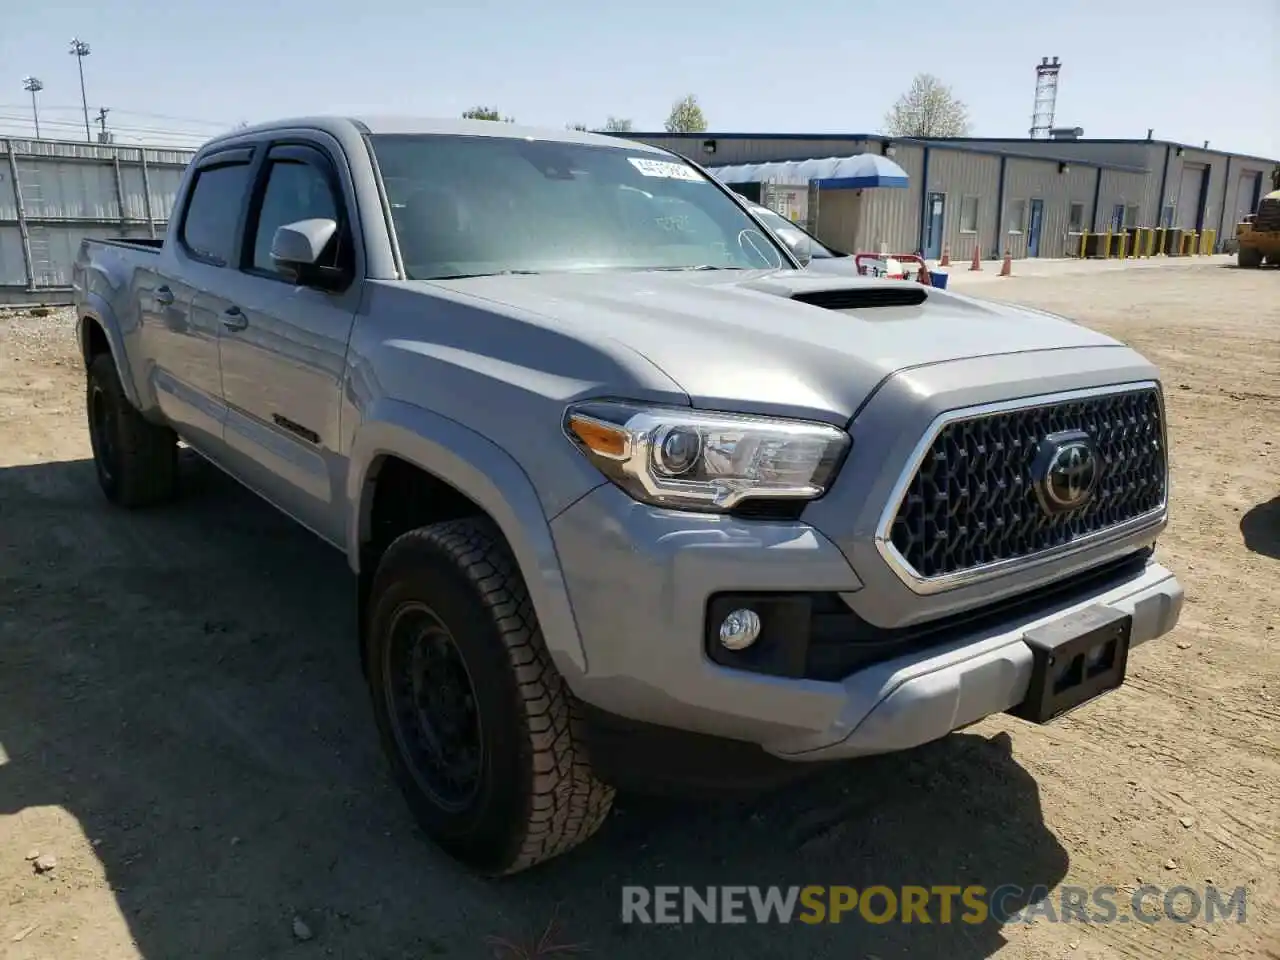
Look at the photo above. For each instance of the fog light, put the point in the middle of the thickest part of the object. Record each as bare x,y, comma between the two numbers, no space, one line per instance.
740,629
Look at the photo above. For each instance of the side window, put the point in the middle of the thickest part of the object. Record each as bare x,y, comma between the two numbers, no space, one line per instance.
295,191
213,212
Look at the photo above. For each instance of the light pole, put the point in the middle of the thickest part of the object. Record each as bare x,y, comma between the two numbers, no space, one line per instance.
33,85
80,50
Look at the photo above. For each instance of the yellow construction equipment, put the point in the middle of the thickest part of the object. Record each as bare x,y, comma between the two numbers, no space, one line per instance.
1258,237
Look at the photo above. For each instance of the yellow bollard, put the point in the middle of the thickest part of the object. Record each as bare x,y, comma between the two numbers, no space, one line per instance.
1207,242
1159,240
1084,242
1106,251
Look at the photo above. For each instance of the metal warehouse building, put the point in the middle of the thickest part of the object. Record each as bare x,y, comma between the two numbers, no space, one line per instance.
55,193
1032,197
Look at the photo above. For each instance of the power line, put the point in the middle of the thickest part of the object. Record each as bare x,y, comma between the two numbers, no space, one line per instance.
118,110
139,128
124,128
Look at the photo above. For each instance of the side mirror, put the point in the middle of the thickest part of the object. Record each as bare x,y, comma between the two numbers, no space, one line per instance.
297,248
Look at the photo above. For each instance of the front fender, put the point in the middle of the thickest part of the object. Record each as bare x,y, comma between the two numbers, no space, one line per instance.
94,308
486,474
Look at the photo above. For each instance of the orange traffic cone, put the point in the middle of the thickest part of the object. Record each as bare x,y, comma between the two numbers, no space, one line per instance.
1006,268
946,257
977,263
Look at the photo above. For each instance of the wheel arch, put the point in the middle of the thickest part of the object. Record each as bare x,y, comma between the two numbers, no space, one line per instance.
475,469
98,330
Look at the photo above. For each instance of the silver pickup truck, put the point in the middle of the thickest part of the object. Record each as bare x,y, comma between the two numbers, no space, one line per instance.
631,500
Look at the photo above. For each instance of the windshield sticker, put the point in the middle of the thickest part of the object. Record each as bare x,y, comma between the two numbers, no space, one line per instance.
667,169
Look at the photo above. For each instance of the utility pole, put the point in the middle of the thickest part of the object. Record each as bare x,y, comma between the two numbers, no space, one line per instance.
80,50
33,85
101,120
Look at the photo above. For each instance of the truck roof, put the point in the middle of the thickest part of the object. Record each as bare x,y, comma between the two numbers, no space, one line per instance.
382,124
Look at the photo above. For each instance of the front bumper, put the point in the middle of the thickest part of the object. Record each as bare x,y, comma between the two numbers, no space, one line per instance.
639,580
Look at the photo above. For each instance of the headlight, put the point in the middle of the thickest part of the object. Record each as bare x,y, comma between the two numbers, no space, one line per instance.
687,459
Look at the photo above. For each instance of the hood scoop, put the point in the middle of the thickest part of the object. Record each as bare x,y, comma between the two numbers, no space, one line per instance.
860,298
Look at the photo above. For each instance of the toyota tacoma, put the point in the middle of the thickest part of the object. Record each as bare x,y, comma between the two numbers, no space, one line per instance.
628,496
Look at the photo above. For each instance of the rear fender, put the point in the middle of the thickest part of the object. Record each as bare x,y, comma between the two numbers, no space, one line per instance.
94,309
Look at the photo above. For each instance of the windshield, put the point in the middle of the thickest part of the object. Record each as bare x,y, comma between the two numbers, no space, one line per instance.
802,243
471,206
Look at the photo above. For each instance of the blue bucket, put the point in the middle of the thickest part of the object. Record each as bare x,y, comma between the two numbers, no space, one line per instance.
938,280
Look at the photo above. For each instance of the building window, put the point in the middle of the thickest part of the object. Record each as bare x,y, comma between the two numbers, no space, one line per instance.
1016,218
1075,218
969,215
1131,215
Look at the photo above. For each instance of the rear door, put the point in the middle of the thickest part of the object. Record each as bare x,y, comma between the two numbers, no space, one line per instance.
182,303
283,362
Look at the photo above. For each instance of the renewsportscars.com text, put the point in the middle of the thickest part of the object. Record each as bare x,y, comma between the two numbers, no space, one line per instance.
937,904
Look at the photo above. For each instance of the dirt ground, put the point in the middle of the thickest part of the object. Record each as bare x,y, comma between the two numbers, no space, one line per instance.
184,730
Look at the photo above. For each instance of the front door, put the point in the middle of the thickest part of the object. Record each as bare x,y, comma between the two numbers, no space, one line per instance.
1117,218
283,361
935,208
180,318
1036,221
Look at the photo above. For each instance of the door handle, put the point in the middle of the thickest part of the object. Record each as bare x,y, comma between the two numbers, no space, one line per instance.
233,318
164,296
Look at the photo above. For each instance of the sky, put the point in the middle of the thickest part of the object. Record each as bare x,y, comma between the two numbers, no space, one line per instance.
177,71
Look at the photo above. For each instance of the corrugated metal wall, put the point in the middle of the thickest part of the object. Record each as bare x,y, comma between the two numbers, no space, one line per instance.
839,212
1151,201
1243,191
962,174
1219,180
1120,153
1121,189
891,215
59,193
1027,180
1221,210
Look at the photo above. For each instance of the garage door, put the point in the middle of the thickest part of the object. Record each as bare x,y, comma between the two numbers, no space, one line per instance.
1246,194
1189,190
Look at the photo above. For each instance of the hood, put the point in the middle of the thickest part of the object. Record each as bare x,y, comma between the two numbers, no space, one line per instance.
736,340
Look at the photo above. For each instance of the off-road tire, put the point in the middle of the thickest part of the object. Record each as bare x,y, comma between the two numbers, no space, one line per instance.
1248,257
536,796
136,460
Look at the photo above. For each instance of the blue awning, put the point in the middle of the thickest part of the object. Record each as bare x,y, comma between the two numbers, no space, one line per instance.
860,171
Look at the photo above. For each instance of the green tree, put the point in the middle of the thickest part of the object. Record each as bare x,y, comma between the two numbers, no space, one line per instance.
486,113
617,125
928,109
686,116
576,126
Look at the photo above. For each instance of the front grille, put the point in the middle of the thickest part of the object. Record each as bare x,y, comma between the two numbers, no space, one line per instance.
972,501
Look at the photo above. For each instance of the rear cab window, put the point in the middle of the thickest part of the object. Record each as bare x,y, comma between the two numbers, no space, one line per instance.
212,216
